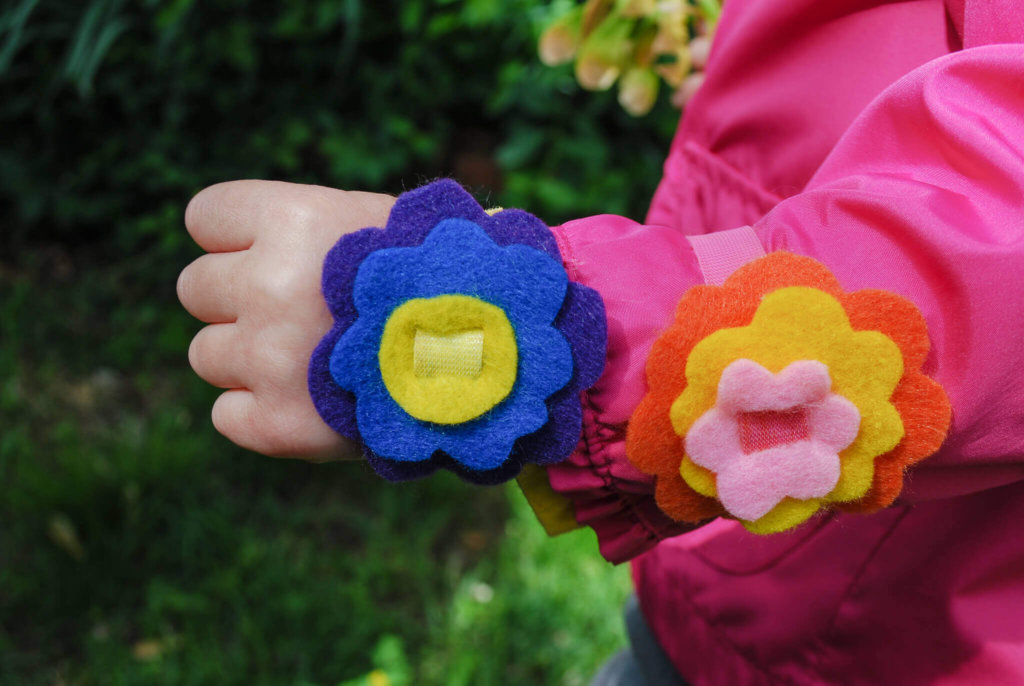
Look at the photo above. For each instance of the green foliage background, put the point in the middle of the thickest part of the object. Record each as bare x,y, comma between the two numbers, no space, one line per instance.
137,546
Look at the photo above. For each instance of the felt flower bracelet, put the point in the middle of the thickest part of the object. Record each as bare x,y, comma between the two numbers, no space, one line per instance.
777,394
459,342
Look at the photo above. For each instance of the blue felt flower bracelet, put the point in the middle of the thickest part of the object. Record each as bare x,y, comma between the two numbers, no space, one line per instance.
459,342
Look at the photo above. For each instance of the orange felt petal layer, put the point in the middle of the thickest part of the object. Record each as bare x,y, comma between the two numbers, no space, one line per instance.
896,317
921,402
925,410
652,444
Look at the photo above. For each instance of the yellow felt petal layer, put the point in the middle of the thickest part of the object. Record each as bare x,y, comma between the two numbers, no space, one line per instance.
787,514
554,511
791,324
456,397
700,479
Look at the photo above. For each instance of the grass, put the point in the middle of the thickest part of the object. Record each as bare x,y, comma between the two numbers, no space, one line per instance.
139,547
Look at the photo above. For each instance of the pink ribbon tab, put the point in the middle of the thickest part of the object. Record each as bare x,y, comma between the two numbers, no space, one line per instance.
721,253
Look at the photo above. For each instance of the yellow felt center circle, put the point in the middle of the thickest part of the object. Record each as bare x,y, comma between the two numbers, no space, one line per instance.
448,359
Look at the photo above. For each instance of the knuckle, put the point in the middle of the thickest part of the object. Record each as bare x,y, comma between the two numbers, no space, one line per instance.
197,352
192,213
281,433
195,211
209,357
267,356
285,285
279,367
237,418
224,417
186,285
304,210
249,423
210,201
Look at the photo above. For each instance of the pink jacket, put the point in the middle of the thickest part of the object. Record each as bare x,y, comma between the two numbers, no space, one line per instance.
886,140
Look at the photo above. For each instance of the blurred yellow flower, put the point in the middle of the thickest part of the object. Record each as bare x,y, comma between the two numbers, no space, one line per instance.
559,41
638,8
638,91
637,40
595,73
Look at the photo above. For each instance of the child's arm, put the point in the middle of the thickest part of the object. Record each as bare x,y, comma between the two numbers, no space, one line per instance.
259,291
922,197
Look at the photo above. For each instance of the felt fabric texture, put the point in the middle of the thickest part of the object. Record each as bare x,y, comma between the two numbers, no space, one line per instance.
469,388
775,311
793,324
574,323
456,257
554,511
772,436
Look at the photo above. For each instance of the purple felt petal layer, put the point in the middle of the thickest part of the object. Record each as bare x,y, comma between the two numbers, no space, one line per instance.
418,211
407,471
336,406
340,267
581,320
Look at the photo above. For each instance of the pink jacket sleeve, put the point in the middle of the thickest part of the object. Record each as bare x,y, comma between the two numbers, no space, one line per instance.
923,196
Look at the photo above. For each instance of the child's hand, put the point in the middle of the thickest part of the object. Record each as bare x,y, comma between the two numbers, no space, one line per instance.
259,289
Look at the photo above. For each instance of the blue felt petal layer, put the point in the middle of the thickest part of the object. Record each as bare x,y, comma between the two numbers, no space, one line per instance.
439,241
457,257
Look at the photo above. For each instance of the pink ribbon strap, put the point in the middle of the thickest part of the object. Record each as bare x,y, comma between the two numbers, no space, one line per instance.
721,253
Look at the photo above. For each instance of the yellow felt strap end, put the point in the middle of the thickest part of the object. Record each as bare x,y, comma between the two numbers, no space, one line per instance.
554,511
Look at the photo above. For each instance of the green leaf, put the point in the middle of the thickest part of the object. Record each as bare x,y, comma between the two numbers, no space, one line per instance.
12,27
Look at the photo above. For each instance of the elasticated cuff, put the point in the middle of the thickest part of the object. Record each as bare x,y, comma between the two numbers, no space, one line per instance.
640,272
610,495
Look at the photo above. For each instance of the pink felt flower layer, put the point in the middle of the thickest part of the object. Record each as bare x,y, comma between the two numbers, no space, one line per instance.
770,436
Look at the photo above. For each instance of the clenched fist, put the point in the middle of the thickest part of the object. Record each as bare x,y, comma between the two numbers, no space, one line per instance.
259,291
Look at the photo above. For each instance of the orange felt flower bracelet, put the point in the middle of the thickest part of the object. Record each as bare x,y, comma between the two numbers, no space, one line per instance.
777,394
